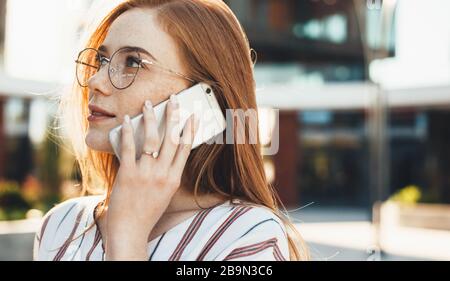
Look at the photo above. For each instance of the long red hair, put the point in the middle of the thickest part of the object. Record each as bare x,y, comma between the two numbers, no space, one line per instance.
216,49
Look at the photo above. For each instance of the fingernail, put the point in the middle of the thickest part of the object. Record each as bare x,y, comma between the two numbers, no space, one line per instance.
193,120
148,104
127,119
196,121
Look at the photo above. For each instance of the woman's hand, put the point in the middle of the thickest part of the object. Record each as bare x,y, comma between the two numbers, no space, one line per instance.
143,188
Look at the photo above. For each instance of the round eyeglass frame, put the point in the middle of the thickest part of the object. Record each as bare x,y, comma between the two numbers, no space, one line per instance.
108,60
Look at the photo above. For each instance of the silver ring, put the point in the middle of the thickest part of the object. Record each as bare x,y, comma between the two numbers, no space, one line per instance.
154,154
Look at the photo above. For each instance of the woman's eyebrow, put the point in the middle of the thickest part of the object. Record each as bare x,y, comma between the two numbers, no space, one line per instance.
103,48
140,50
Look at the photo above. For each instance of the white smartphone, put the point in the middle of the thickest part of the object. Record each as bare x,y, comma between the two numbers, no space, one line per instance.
199,99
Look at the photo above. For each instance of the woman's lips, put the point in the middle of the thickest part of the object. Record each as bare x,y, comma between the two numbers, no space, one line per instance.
98,117
98,114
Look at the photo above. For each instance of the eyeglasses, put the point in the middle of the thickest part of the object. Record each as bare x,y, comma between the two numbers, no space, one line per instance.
123,67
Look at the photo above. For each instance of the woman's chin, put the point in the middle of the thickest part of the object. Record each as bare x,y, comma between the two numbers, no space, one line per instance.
98,143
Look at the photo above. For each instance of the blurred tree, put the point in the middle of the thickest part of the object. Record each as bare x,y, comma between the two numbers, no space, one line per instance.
47,164
12,204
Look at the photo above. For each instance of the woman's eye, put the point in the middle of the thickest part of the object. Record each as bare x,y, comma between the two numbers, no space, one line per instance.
133,62
103,61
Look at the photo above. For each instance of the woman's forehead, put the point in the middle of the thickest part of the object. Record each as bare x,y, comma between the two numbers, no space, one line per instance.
139,28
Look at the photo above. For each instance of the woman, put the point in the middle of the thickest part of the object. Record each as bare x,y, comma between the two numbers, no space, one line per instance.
211,203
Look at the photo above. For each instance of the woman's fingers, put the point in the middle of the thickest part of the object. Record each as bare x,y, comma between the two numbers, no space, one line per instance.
185,146
127,149
151,135
172,133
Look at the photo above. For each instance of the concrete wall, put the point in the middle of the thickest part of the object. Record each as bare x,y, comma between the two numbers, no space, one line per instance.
16,239
16,246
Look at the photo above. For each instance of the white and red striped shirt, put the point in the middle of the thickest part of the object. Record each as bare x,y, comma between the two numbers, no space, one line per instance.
229,231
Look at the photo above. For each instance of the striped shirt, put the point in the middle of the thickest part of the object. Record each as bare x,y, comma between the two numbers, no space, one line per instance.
233,230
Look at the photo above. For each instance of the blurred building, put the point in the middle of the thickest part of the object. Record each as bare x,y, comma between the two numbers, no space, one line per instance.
344,141
37,42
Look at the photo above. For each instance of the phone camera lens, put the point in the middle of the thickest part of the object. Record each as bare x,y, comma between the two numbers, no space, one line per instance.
208,90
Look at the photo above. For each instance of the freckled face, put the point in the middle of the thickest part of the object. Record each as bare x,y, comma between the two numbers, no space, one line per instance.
108,105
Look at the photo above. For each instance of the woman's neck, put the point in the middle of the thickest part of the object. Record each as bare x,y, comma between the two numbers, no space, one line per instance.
184,200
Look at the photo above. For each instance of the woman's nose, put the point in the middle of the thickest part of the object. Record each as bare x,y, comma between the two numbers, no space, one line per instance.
99,82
